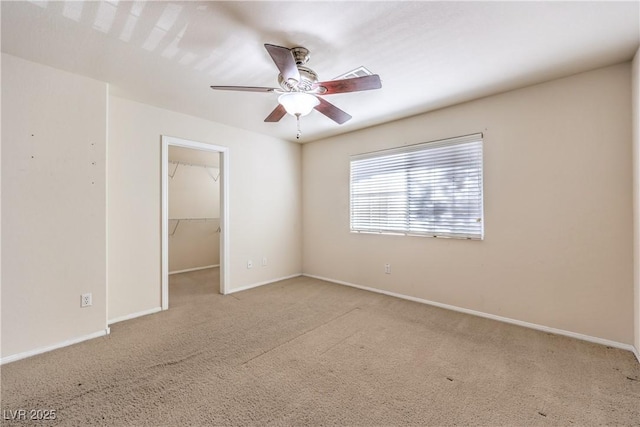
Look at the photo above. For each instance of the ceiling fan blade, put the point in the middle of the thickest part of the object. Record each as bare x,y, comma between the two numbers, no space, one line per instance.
246,88
276,114
284,61
354,84
331,111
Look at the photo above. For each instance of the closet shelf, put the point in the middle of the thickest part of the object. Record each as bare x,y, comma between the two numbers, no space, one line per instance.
206,168
193,219
178,220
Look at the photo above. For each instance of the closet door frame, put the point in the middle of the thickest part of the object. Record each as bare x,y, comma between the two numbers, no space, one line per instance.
224,210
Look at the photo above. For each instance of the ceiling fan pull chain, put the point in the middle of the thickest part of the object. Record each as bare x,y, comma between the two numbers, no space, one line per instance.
299,131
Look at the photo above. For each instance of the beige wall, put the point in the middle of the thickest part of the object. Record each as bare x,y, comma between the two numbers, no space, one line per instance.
194,194
53,206
636,197
264,199
558,209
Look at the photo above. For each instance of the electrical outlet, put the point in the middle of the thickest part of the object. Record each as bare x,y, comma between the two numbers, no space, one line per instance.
387,268
264,261
249,264
85,300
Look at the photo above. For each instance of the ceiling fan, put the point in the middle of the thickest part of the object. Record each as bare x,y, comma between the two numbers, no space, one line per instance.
300,89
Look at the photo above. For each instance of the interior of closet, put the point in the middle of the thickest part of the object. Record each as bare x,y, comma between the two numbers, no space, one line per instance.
194,209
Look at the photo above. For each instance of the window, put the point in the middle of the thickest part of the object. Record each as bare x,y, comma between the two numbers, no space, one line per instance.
431,189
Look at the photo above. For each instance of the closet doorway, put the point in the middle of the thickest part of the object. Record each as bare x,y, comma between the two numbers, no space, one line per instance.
195,213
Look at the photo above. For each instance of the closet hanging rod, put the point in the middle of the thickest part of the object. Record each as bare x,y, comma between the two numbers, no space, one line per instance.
206,168
178,220
193,219
191,164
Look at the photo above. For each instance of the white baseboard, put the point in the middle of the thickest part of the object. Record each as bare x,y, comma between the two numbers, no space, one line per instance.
193,269
41,350
637,353
543,328
255,285
134,315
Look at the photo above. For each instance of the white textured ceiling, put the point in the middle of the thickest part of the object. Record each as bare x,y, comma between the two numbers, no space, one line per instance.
429,54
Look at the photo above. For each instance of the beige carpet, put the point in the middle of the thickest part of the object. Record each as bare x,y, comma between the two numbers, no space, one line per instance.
306,352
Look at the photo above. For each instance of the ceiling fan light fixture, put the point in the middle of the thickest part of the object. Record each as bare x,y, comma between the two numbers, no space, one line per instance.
298,103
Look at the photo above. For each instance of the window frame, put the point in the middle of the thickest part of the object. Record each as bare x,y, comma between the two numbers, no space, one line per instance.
477,162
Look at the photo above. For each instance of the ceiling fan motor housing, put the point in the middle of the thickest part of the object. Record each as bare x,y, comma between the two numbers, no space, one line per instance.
308,78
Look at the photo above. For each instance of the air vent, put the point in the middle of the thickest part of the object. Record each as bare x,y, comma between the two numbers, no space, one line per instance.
358,72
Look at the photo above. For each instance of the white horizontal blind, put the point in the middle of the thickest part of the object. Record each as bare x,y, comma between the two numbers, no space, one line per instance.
430,189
